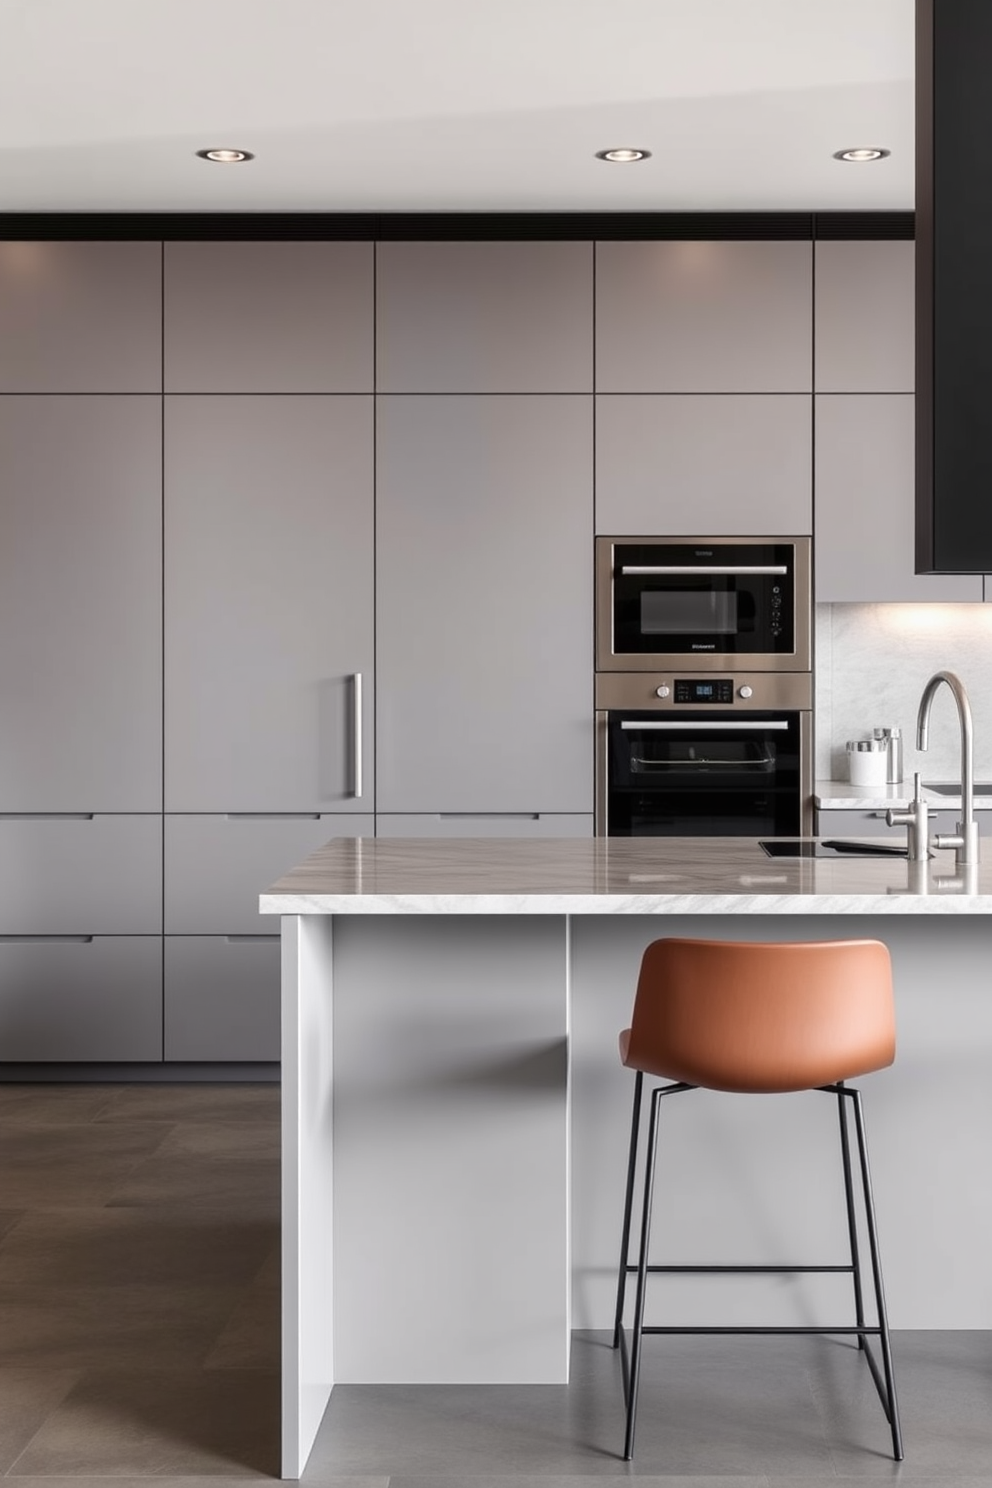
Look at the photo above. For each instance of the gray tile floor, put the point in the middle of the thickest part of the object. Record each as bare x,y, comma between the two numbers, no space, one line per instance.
139,1337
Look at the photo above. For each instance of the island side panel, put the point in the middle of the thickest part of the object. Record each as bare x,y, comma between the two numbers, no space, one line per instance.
758,1179
450,1162
307,1189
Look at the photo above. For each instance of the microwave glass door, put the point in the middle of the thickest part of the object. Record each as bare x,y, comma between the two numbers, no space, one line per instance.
684,599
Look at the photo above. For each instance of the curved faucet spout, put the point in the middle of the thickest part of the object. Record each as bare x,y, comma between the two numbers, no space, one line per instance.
966,843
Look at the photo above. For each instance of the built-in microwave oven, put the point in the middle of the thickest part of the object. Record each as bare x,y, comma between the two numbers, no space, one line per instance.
709,603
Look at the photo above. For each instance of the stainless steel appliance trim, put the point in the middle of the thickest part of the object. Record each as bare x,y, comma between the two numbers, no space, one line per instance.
799,660
601,820
692,568
771,692
736,724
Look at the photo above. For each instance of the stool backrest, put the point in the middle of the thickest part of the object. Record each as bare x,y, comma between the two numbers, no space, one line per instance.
752,1016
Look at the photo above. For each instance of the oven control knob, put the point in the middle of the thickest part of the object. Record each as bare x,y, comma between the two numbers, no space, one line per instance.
662,691
746,691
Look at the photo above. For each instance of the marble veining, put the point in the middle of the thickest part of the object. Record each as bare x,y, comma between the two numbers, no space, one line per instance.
673,875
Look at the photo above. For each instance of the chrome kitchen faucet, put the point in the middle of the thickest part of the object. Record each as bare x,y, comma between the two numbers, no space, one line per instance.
965,842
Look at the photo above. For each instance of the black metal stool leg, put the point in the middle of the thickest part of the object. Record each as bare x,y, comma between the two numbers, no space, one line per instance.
627,1208
892,1407
642,1266
852,1223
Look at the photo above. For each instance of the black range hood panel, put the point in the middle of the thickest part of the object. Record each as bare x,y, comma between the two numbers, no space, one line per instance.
954,286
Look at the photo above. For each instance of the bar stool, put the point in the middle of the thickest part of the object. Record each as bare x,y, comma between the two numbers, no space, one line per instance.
758,1018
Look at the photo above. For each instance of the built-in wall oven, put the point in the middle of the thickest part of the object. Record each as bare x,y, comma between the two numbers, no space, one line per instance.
715,755
706,604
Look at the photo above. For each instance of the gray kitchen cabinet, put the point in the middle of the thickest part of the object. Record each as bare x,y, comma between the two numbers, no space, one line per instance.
268,604
704,317
80,317
493,824
865,317
99,875
864,478
216,866
477,317
268,317
66,998
686,465
484,604
222,997
80,604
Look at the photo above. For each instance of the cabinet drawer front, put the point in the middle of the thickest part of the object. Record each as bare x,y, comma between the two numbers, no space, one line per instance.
216,866
419,824
873,824
222,997
79,875
85,999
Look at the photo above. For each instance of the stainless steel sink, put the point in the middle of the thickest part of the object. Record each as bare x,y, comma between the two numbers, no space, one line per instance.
953,787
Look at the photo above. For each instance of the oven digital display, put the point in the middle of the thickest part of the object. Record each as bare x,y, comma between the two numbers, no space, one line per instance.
720,690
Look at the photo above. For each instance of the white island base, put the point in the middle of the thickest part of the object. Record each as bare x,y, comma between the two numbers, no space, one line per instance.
455,1116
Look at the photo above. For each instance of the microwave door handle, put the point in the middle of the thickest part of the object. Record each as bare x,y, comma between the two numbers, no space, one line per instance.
695,568
779,724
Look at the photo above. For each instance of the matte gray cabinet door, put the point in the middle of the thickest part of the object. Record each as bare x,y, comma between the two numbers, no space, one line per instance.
697,465
69,998
865,317
707,317
222,997
484,317
268,603
865,473
484,609
80,604
268,317
216,866
88,876
80,317
506,824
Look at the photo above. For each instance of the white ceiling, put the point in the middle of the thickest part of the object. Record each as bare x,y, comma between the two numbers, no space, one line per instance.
442,105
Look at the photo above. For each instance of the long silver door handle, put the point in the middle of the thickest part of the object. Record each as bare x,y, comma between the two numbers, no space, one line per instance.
357,792
684,724
693,568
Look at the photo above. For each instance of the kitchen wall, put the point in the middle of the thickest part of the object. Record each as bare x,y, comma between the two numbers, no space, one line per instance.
872,663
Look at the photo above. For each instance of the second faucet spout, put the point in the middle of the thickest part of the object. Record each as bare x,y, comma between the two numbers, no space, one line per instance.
965,844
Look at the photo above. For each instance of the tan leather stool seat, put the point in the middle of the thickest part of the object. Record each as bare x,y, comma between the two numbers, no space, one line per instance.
756,1017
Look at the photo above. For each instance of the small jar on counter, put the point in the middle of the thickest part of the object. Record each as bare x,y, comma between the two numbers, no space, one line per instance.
892,738
867,761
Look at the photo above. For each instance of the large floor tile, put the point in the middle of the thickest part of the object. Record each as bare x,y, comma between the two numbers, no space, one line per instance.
225,1139
27,1399
221,1103
197,1183
252,1336
62,1166
127,1326
121,1246
159,1424
45,1105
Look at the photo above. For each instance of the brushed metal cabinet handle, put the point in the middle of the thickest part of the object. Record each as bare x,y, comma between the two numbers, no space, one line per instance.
703,568
712,723
357,792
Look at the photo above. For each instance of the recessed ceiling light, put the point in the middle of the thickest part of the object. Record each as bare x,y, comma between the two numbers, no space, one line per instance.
862,154
623,157
225,157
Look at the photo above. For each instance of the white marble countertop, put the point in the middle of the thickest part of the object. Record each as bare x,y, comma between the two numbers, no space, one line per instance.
658,875
840,795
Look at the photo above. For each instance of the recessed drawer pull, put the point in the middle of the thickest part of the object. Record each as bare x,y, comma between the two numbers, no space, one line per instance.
272,816
46,815
46,939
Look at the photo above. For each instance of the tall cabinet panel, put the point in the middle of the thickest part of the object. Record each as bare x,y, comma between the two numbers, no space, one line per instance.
80,604
268,604
484,624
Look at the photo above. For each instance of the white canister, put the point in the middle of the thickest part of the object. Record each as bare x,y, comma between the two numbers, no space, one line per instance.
867,761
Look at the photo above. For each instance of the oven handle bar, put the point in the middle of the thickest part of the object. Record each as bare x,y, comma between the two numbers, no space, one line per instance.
694,568
715,723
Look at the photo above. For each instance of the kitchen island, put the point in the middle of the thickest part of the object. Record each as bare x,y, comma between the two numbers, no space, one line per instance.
454,1112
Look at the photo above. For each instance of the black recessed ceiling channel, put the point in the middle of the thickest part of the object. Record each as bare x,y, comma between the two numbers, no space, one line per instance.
954,286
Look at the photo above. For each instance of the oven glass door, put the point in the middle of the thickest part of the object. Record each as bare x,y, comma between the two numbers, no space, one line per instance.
701,775
680,599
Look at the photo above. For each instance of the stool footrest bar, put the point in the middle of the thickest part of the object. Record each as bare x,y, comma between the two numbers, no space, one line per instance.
861,1331
739,1270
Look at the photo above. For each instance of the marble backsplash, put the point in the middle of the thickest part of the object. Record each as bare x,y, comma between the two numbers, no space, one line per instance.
872,662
